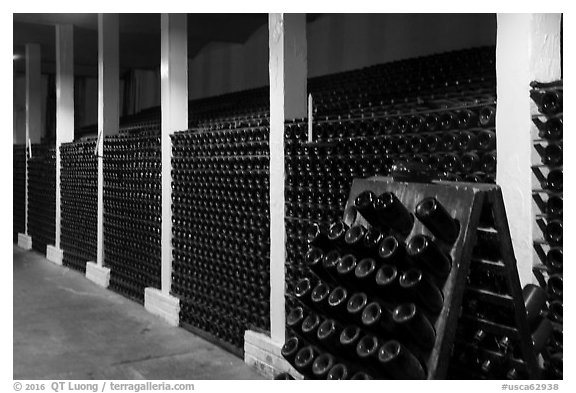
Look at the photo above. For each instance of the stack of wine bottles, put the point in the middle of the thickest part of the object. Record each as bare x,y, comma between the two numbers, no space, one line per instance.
367,90
79,202
368,306
132,212
221,224
439,113
548,197
42,196
18,190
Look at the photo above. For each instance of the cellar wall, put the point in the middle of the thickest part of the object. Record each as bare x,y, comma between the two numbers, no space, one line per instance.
339,43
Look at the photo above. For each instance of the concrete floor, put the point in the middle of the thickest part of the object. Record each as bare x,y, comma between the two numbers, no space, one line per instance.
66,327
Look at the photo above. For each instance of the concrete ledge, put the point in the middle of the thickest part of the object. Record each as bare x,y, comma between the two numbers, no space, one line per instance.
54,255
24,241
99,275
163,305
263,355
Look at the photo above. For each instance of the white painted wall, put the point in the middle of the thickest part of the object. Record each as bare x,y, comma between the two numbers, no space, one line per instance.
528,49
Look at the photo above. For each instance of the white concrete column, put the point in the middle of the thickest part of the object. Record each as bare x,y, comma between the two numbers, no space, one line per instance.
288,72
174,104
64,116
108,124
527,49
33,132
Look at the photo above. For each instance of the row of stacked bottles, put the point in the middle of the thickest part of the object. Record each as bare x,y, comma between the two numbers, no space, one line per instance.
221,227
42,196
438,115
79,202
132,212
18,191
548,205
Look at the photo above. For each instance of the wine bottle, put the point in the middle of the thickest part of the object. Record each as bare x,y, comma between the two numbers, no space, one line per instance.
354,238
371,241
319,297
330,263
304,360
449,141
364,203
294,320
554,259
437,219
393,213
313,259
290,349
555,311
535,304
337,302
432,143
303,291
349,338
557,340
541,335
552,155
466,141
336,233
346,270
551,129
365,274
398,362
415,325
322,365
421,290
487,116
431,123
367,350
316,236
377,319
392,251
416,123
338,371
554,232
386,287
429,256
554,206
310,326
451,163
470,162
554,180
328,335
488,163
548,102
356,305
448,121
467,118
486,140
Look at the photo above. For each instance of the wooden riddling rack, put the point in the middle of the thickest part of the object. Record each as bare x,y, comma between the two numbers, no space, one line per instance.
548,250
480,212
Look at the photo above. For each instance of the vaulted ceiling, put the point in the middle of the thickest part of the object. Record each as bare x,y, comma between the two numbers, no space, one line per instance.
139,36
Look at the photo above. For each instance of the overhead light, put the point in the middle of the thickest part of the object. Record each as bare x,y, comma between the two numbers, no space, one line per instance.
17,56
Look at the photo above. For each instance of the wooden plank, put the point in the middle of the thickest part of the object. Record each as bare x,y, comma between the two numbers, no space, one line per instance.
497,329
491,297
